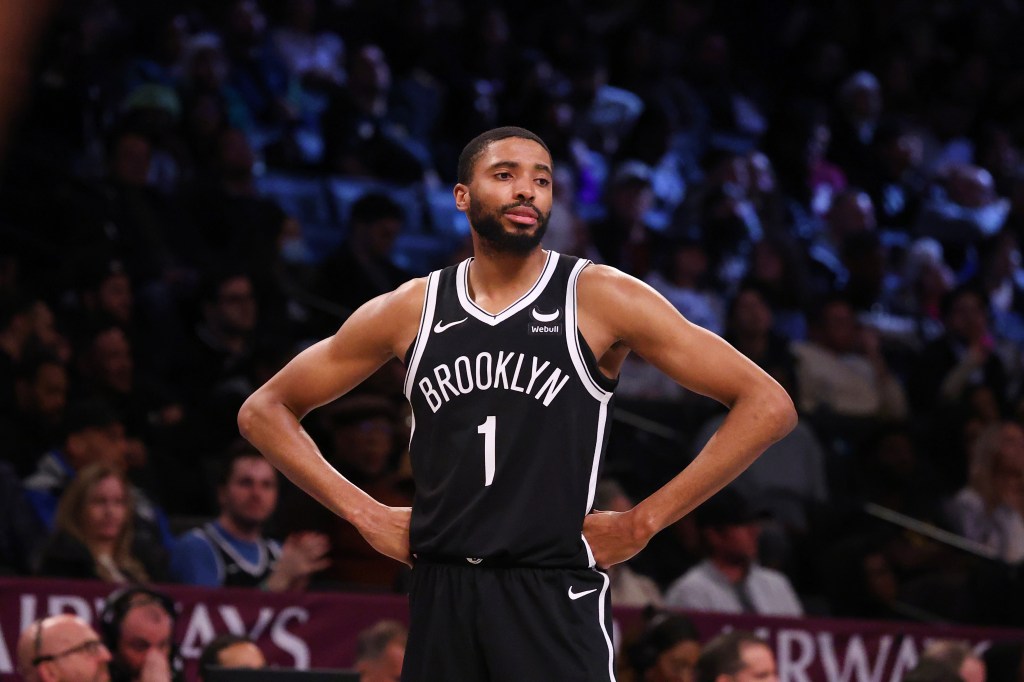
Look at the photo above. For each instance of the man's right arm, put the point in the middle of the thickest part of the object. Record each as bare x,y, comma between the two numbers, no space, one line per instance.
269,419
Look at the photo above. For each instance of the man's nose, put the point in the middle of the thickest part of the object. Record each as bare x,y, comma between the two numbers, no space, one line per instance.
524,190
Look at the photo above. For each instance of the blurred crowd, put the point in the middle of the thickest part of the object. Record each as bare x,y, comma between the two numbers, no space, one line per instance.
196,191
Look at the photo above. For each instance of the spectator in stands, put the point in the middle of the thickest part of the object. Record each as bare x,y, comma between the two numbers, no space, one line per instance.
961,358
666,651
999,276
232,551
137,624
236,226
931,670
107,371
104,292
897,184
623,237
797,143
20,530
750,327
789,478
924,280
603,114
736,656
33,426
62,648
141,224
684,281
230,651
730,580
361,134
778,269
962,210
93,535
93,433
362,447
959,656
990,509
841,369
315,58
25,323
361,267
380,651
850,213
856,122
861,583
221,346
258,74
629,588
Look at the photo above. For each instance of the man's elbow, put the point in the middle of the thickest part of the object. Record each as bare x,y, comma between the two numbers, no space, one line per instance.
249,416
781,411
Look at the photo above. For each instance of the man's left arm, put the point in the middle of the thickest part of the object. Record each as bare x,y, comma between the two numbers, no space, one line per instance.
617,310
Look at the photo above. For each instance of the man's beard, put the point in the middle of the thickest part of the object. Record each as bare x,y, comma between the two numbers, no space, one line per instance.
499,238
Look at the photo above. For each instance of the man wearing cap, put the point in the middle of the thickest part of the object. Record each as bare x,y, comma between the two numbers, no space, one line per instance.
62,648
730,580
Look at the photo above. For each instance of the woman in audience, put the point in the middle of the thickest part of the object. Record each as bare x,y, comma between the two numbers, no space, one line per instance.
93,535
989,508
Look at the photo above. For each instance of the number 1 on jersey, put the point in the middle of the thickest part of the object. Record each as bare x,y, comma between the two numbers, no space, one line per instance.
488,428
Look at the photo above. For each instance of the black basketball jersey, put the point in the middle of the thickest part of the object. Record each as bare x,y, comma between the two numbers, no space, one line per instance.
510,422
234,569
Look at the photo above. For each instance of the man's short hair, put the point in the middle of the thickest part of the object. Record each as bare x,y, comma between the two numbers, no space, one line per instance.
949,651
371,642
472,151
211,652
932,670
239,449
723,655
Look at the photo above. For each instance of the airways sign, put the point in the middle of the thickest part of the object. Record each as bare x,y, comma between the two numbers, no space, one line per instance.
318,630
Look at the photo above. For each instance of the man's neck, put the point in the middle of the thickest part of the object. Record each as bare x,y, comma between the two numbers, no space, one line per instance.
496,280
242,532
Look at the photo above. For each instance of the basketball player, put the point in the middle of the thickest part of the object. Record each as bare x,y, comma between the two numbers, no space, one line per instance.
511,359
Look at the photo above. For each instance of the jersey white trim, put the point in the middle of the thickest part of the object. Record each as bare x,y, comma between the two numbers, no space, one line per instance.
572,337
426,320
254,569
604,630
462,286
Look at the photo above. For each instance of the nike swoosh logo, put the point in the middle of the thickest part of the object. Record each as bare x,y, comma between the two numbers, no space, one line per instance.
438,328
576,595
545,317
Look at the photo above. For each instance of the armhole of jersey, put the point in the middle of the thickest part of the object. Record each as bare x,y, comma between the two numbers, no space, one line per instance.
222,572
598,385
426,319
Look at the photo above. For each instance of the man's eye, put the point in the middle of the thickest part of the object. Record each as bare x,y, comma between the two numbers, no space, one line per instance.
503,175
543,182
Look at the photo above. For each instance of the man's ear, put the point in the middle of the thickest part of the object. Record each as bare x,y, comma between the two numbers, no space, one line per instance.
45,673
462,200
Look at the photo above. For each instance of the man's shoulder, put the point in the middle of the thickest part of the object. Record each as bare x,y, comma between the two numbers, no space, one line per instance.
192,541
700,576
769,576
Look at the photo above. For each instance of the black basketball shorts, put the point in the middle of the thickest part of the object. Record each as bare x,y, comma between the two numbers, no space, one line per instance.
476,623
